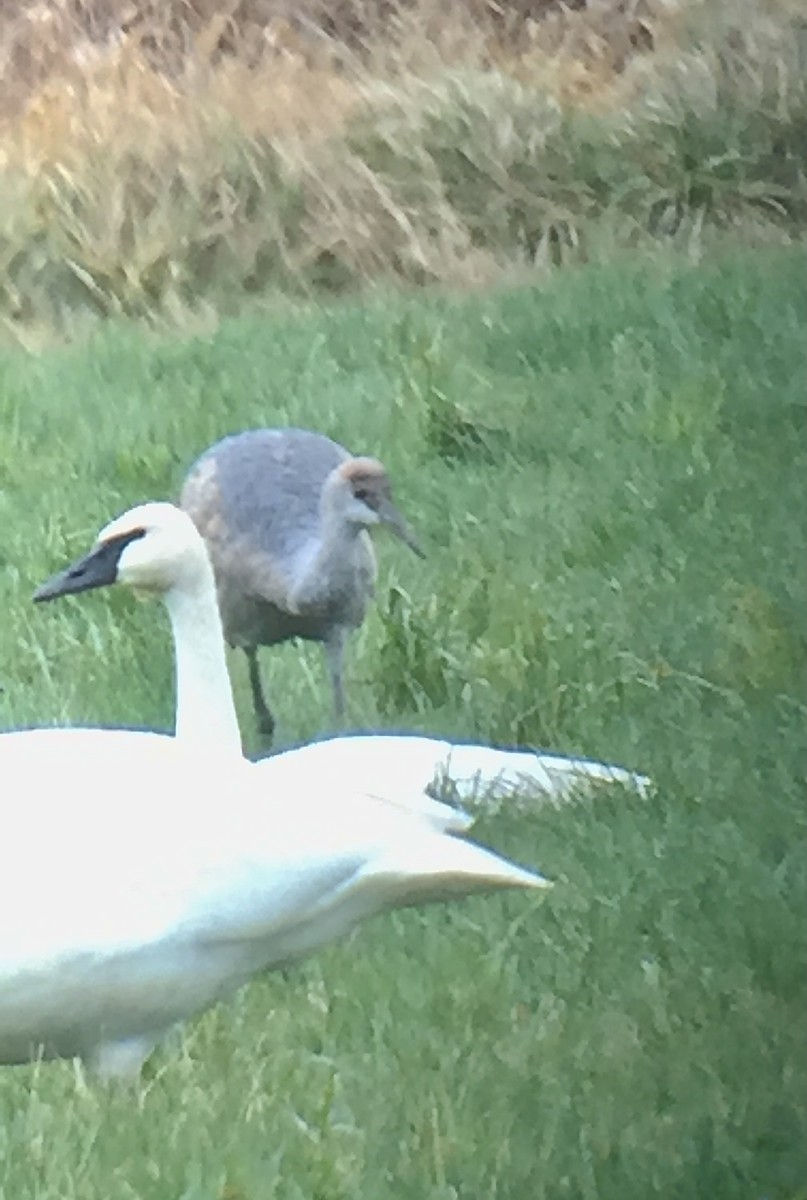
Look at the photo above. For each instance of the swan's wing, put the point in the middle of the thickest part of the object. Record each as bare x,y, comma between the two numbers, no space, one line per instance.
307,853
401,768
281,913
422,871
474,769
570,774
393,770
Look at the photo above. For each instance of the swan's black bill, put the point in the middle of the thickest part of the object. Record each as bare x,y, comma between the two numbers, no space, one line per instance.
97,569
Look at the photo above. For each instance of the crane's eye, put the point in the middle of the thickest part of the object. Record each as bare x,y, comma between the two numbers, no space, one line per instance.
362,494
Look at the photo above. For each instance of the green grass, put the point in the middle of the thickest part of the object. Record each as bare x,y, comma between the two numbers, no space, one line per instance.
607,474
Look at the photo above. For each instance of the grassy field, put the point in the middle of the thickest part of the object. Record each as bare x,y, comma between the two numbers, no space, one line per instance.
607,474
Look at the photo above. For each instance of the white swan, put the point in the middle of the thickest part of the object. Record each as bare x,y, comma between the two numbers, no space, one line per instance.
142,877
171,562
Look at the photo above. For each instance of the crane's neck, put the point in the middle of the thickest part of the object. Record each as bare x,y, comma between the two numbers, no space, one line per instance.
205,711
332,564
338,538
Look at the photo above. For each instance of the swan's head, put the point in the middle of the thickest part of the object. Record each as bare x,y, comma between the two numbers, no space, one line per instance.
359,490
153,548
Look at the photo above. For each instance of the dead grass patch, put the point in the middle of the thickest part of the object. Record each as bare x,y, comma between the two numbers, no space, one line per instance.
157,154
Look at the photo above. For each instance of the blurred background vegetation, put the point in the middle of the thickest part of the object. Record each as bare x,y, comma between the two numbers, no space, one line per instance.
166,159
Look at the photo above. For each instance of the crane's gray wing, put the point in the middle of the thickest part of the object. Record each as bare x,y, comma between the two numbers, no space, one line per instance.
255,499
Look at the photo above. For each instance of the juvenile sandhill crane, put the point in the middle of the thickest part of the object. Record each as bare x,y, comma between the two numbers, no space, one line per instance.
285,514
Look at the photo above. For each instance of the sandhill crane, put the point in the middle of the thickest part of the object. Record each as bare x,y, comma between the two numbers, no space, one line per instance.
285,514
172,877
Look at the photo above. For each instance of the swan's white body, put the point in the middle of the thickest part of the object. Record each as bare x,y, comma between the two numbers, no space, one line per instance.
136,898
142,876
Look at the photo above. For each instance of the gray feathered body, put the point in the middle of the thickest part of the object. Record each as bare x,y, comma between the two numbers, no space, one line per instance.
281,571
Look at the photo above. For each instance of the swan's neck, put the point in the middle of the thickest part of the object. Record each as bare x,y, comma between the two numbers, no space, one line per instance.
205,711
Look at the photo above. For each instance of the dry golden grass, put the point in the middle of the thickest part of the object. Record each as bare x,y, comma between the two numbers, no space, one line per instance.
204,47
155,154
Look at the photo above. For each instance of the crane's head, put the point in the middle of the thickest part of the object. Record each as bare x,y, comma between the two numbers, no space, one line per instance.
152,548
365,496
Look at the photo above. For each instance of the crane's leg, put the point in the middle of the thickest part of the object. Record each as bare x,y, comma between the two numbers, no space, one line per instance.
335,655
263,713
